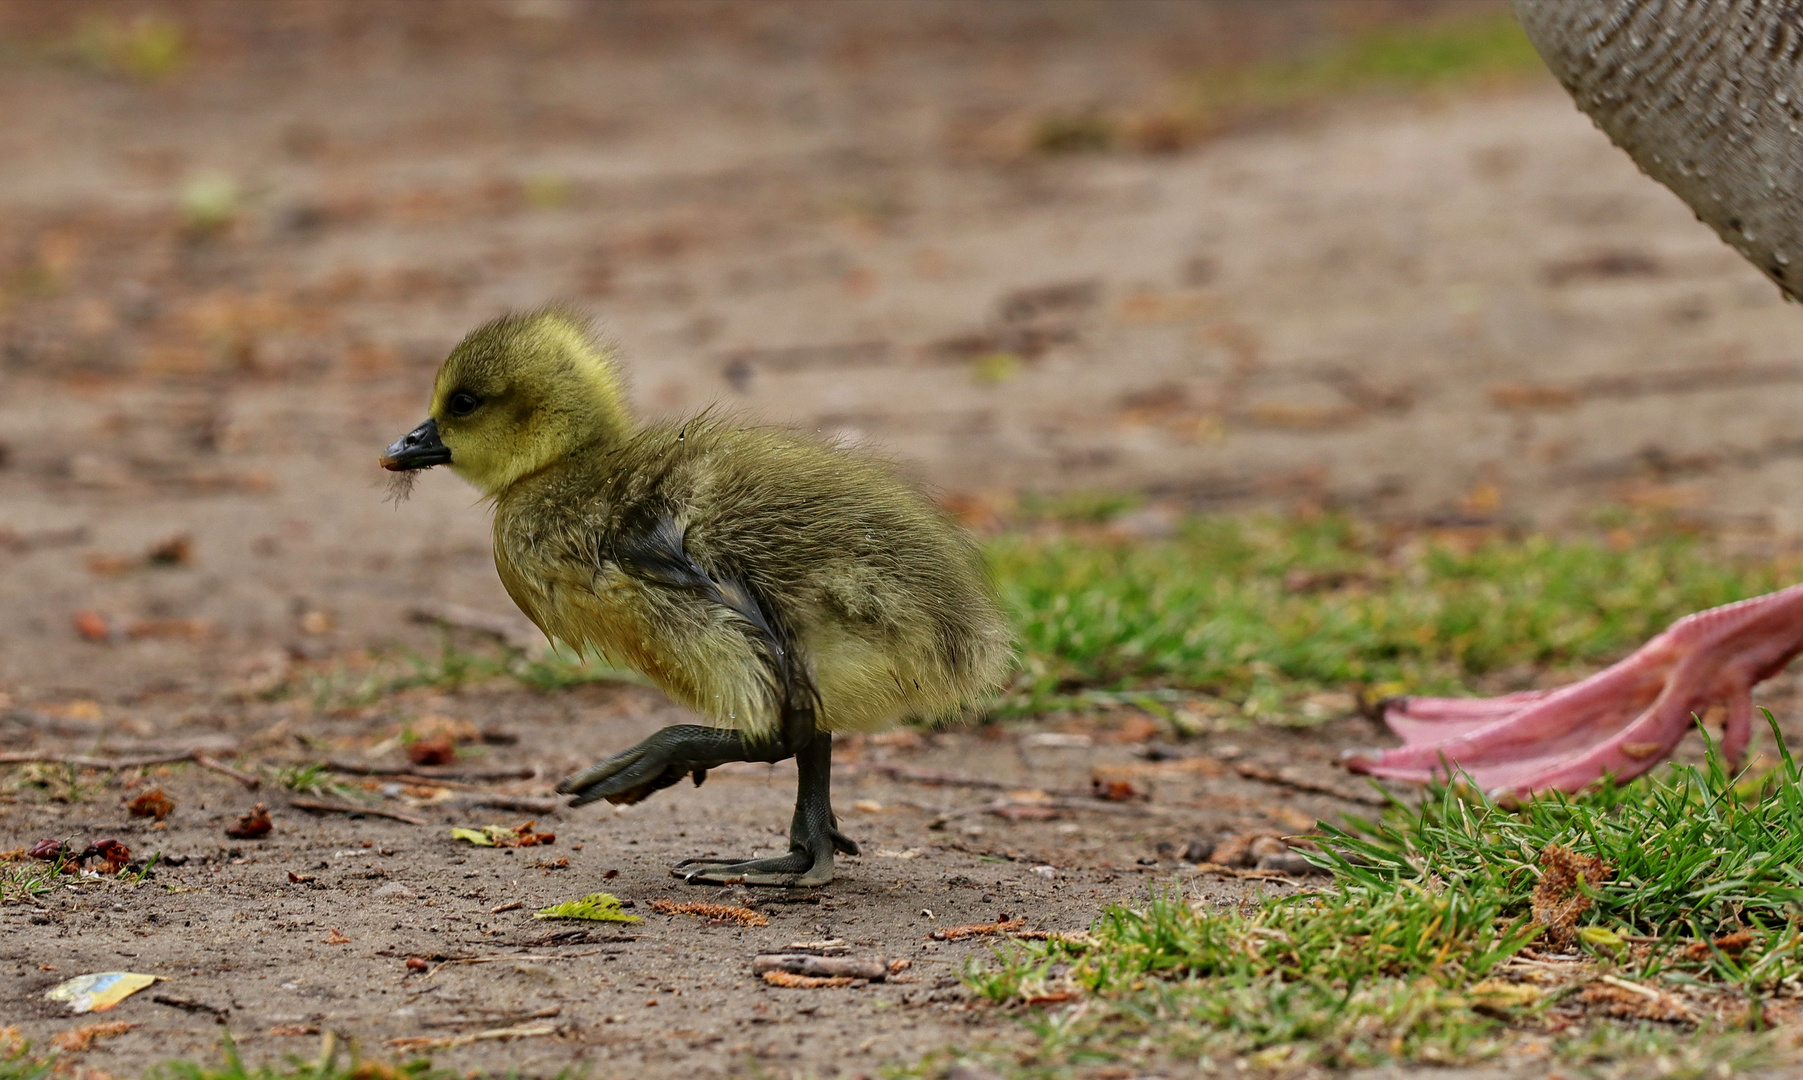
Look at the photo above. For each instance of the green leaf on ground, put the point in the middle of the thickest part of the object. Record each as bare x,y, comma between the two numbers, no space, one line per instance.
595,907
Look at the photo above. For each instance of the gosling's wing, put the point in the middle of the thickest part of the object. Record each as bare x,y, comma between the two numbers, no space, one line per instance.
656,554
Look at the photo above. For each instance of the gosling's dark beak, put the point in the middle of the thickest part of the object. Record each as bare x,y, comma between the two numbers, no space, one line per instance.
418,449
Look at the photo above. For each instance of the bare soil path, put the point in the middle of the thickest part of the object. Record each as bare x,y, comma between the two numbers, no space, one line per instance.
221,292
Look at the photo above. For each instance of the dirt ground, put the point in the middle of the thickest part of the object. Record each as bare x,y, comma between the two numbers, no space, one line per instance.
223,289
234,931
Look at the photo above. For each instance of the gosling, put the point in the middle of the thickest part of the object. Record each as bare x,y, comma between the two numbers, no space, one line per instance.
783,589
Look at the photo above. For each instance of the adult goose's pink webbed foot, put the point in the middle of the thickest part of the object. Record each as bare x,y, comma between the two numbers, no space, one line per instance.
1619,722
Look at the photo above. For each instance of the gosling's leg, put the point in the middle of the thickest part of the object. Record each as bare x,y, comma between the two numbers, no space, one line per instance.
813,836
663,759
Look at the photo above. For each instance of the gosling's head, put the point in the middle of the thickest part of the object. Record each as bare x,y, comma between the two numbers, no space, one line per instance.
515,395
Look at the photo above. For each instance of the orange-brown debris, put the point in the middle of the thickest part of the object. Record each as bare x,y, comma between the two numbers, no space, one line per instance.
152,803
806,982
1558,901
716,912
955,933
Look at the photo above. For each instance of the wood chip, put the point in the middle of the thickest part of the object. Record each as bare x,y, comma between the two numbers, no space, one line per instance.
716,912
1288,778
831,967
807,982
430,1042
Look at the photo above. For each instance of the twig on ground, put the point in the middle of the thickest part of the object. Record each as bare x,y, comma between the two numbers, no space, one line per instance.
424,781
187,1005
249,780
425,1042
1288,779
808,982
1217,870
500,959
324,807
958,933
929,777
831,967
83,761
467,1021
525,804
1001,808
429,775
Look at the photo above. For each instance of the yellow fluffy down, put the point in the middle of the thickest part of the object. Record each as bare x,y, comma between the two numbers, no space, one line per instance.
876,597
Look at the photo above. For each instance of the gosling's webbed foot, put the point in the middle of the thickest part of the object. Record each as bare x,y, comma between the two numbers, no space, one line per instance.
654,764
797,869
1619,722
813,835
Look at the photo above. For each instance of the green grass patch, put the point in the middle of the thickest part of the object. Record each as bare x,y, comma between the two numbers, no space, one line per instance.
314,778
23,881
1402,958
1408,57
1263,611
1404,55
455,665
19,1061
1696,855
1251,617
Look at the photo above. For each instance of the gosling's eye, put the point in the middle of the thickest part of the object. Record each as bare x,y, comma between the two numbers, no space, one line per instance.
462,404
